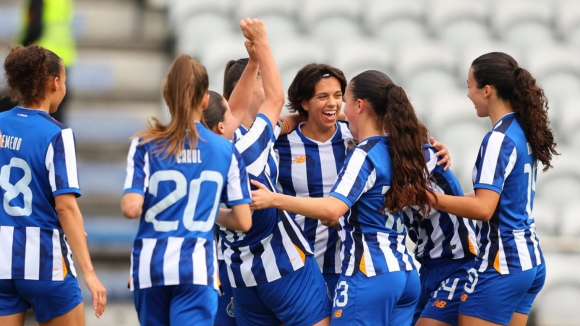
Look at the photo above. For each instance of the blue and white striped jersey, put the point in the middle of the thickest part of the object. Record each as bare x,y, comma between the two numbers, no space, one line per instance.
275,245
373,239
505,164
37,162
175,241
309,168
440,234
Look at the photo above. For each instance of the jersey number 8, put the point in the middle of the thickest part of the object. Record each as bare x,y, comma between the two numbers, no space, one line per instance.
14,190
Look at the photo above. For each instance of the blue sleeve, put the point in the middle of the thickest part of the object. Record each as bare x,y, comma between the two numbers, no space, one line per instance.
254,146
237,190
356,177
62,164
137,169
495,161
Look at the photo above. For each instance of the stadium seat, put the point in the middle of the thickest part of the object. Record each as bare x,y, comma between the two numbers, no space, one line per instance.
179,11
458,22
561,184
426,67
544,61
396,22
556,304
546,217
199,29
294,53
453,107
568,21
330,20
568,120
279,16
569,221
216,54
523,23
359,55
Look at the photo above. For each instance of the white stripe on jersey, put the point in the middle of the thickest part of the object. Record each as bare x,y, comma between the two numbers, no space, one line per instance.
329,171
354,165
385,245
484,262
253,134
490,157
70,158
145,262
131,164
234,192
293,254
523,252
6,239
271,270
32,254
170,260
131,281
57,259
199,255
368,259
534,238
147,171
247,258
510,165
260,164
401,248
69,258
437,234
503,267
48,162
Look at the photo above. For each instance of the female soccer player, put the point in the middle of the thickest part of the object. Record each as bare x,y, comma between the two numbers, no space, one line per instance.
272,271
311,156
445,247
387,170
177,174
40,217
510,267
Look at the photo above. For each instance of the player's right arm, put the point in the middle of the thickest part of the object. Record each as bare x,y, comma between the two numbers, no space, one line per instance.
255,31
239,100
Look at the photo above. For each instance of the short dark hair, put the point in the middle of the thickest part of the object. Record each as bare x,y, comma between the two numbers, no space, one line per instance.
232,74
215,111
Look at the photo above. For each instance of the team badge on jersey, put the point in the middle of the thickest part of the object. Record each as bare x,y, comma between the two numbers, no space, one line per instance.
350,143
231,309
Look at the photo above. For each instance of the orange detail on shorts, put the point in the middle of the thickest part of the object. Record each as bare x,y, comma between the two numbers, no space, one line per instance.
439,303
64,269
471,247
302,255
464,297
496,263
362,266
337,313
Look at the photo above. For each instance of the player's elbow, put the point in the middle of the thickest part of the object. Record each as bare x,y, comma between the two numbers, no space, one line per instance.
243,218
131,211
132,205
332,214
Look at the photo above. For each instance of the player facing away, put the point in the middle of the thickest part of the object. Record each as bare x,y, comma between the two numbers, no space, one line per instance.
41,225
510,267
387,170
271,269
445,246
311,156
177,175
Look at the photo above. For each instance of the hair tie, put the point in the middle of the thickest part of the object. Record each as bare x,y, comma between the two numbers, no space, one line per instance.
324,75
517,71
391,85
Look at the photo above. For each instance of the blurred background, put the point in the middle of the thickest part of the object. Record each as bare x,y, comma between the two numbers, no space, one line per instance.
125,48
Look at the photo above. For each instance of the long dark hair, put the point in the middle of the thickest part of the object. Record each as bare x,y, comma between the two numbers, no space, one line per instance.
28,70
185,87
303,86
395,115
517,86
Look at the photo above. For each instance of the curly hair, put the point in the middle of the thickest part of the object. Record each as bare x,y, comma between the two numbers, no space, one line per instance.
517,86
303,86
395,115
28,71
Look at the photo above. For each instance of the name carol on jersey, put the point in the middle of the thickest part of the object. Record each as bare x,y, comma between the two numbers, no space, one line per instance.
189,156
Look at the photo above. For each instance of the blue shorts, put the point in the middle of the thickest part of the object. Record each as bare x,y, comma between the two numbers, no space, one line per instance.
185,304
442,282
226,312
494,297
384,299
299,298
331,279
48,299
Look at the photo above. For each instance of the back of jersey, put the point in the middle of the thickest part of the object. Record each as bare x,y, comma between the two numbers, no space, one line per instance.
182,195
37,162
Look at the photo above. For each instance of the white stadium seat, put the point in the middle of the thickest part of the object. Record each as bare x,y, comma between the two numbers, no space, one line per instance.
569,221
459,22
279,16
396,22
354,56
568,119
472,51
215,55
568,21
546,217
314,13
180,10
200,29
561,184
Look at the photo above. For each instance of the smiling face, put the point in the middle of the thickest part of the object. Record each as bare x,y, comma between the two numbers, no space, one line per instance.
477,95
326,103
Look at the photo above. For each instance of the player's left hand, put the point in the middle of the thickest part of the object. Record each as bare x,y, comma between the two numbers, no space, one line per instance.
442,152
262,197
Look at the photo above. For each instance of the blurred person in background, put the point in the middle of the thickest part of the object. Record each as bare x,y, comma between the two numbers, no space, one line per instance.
48,23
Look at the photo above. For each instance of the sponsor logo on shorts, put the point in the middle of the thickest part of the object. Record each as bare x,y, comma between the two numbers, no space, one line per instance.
230,309
439,303
337,313
464,297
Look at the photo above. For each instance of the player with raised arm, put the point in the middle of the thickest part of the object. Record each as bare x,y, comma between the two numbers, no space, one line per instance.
177,175
41,225
510,267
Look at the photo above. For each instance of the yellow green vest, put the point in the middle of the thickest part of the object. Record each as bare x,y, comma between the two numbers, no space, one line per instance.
57,32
